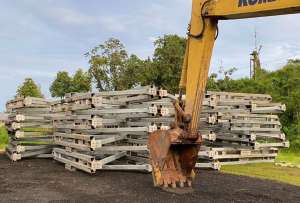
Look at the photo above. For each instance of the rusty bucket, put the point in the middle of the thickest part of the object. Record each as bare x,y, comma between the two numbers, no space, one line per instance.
173,157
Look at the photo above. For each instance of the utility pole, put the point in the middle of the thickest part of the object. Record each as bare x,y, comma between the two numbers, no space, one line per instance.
255,65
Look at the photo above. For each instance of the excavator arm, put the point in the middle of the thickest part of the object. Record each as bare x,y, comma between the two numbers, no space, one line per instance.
173,153
202,33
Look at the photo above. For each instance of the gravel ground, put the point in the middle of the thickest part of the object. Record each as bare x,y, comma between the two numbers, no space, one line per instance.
48,181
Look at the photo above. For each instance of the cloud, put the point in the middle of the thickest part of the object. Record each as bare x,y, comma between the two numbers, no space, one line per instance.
112,24
275,56
69,16
36,73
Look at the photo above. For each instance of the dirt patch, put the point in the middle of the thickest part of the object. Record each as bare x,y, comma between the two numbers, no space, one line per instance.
48,181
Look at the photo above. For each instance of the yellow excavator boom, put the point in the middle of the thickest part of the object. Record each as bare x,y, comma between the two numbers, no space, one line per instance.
173,153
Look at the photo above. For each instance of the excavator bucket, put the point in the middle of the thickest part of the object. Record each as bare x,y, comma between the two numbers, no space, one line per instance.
173,157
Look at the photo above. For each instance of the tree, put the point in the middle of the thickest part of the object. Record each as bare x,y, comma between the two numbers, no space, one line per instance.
227,73
134,73
61,85
293,61
81,82
212,84
29,89
167,62
111,69
107,63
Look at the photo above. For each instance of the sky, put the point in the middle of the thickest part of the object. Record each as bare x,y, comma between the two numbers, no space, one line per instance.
39,38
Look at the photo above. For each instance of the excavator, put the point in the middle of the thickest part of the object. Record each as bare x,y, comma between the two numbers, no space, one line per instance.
174,152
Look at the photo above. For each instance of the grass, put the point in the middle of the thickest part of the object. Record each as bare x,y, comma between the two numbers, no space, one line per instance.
290,157
2,147
266,171
3,138
269,170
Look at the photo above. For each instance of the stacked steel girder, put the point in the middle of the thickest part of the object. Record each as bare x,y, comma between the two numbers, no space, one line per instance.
30,128
109,130
240,128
